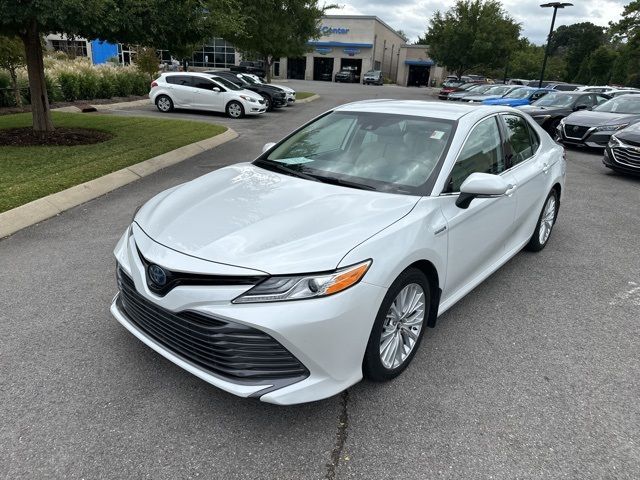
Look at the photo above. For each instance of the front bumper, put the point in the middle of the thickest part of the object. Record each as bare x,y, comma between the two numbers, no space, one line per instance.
621,159
279,101
589,137
327,335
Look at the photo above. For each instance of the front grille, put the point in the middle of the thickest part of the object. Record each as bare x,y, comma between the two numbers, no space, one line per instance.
223,348
626,156
575,131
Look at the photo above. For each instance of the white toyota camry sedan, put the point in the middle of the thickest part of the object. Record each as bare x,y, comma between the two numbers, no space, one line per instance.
290,278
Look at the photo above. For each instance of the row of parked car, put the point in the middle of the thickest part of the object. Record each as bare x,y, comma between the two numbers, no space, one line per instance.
593,116
234,93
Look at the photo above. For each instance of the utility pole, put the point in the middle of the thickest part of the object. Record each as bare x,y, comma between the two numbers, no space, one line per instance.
555,6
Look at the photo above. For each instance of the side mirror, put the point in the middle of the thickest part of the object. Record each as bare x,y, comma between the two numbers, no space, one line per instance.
215,89
581,107
481,185
268,146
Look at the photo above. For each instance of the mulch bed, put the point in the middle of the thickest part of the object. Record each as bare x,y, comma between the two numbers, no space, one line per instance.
68,137
80,104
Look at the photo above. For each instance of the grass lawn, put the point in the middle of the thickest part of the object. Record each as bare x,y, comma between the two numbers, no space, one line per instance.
301,95
28,173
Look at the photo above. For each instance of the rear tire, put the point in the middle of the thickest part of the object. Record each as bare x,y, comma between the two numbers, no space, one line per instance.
398,327
164,103
546,221
235,109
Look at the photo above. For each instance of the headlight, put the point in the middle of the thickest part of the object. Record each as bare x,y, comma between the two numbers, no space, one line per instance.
561,122
614,142
611,128
297,287
133,217
248,99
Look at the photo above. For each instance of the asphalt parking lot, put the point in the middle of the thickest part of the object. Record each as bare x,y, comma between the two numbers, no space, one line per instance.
535,374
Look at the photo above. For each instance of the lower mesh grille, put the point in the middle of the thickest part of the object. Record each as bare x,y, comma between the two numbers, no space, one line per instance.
223,348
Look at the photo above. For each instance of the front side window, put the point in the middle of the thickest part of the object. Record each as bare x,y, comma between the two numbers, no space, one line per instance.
519,138
203,84
376,151
482,152
226,83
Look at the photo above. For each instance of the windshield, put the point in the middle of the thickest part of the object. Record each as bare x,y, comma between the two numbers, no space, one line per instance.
498,90
559,100
249,79
376,151
621,104
226,83
519,93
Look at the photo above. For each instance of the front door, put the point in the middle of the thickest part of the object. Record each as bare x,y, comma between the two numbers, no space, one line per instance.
204,97
478,233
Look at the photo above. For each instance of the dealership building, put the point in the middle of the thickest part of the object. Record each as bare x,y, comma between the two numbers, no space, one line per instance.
360,43
357,42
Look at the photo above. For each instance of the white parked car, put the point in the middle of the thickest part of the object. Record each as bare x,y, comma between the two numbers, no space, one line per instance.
254,79
199,91
290,278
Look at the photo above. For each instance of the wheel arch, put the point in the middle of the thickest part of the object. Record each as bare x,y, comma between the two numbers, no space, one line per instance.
430,271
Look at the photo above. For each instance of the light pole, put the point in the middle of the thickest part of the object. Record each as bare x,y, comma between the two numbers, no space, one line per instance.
556,6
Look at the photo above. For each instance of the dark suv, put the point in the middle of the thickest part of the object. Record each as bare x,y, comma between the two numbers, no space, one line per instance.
273,96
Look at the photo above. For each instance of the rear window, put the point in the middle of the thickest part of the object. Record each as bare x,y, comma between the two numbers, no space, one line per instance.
178,80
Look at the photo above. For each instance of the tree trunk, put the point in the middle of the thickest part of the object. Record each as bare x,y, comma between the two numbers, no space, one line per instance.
268,61
41,114
14,86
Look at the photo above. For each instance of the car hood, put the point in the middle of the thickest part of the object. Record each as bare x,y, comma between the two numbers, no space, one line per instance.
250,94
481,98
283,88
536,111
589,118
250,217
630,134
512,102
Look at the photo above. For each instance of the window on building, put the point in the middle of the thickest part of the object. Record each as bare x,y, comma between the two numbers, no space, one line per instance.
216,53
73,48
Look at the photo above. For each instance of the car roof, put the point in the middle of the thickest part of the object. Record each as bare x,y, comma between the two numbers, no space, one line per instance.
419,108
186,74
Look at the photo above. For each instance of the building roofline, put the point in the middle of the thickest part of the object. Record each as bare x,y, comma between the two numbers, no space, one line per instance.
364,17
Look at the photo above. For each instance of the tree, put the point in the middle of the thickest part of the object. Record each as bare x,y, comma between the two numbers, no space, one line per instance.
147,61
626,68
526,60
12,58
576,42
148,23
472,34
278,28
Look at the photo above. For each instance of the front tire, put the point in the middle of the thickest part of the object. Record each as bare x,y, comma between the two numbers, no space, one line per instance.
164,103
268,103
546,221
235,109
398,327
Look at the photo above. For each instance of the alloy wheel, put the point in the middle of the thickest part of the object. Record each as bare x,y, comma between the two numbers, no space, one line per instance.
235,110
402,326
547,219
164,104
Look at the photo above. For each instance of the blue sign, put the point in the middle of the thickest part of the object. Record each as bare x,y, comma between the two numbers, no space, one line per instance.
351,51
333,30
324,50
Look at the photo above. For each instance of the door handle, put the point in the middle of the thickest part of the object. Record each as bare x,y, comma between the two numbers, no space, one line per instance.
545,167
510,190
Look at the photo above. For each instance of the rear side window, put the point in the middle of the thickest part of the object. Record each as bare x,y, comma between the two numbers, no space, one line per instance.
519,137
482,152
179,80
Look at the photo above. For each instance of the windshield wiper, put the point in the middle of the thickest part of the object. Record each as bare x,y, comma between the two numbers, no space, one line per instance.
344,183
288,171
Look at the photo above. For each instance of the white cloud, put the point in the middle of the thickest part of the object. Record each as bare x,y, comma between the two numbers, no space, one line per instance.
412,16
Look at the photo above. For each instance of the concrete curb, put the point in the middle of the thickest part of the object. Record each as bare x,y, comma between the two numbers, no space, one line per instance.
46,207
309,99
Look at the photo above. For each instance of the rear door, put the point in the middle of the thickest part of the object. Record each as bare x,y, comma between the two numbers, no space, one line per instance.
181,90
529,167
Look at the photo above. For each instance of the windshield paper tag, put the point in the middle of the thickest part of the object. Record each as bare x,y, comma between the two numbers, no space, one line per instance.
437,135
294,160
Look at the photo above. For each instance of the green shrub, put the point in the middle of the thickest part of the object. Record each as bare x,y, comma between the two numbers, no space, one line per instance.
140,85
123,84
53,89
87,85
105,84
69,85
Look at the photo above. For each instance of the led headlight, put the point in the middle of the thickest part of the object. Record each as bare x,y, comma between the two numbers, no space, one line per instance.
611,128
248,99
297,287
614,142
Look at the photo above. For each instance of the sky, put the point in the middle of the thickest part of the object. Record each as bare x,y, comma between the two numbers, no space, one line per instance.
412,16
